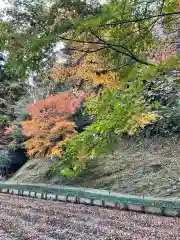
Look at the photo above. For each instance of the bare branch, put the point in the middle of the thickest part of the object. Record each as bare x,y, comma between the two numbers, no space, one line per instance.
88,50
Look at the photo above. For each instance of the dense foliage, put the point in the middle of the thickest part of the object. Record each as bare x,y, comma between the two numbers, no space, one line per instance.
48,126
113,60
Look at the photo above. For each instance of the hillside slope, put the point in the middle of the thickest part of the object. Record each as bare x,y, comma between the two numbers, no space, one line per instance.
149,167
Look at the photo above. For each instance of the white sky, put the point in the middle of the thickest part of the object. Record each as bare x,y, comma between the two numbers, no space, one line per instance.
2,4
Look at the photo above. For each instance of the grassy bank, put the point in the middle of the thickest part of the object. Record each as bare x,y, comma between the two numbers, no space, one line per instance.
148,166
139,166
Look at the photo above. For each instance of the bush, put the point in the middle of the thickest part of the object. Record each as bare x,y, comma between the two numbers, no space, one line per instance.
24,115
165,91
3,119
20,111
18,135
167,125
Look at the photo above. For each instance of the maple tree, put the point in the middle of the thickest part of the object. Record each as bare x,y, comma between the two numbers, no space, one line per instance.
90,67
50,123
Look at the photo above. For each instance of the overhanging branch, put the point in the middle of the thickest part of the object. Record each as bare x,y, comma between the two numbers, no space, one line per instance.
138,19
114,47
127,52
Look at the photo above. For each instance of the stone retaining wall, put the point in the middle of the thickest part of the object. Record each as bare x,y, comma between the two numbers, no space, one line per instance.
95,197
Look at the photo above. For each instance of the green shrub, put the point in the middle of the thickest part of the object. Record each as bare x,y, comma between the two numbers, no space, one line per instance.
167,125
18,137
18,134
24,115
20,111
165,91
3,119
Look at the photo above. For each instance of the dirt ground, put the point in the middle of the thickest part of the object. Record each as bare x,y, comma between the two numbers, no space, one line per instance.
22,218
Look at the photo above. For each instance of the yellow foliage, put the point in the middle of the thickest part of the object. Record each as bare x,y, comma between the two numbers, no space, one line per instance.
140,121
90,67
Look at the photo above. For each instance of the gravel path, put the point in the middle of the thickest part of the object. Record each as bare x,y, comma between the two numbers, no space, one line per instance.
23,218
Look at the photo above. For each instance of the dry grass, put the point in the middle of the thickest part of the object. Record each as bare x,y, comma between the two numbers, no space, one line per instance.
34,219
148,167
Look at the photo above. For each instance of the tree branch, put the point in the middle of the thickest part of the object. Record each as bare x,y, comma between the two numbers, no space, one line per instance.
88,51
111,46
138,20
127,53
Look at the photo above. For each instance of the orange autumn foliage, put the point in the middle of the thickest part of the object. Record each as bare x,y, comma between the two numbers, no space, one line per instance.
62,104
49,125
